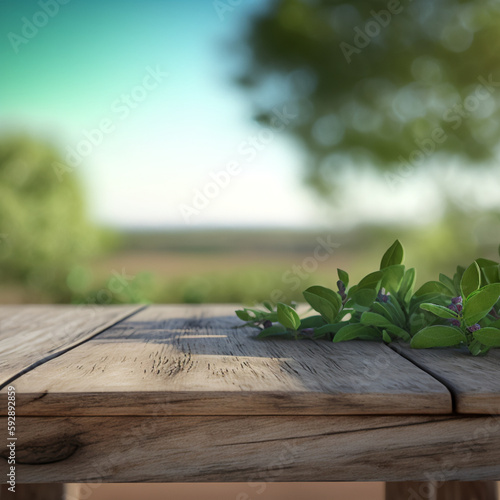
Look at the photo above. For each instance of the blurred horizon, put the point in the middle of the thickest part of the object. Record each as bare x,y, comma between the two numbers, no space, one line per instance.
203,147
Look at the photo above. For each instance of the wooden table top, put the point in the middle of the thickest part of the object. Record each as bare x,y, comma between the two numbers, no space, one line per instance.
124,360
177,393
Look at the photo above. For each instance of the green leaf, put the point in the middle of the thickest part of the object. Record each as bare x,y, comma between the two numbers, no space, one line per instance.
399,332
344,277
392,277
488,336
490,270
288,317
382,309
457,277
330,328
433,287
437,336
371,281
393,256
480,303
417,322
481,262
243,315
268,306
374,319
356,331
471,280
312,322
406,288
490,274
448,282
441,311
398,313
386,337
476,348
432,298
364,297
272,331
325,301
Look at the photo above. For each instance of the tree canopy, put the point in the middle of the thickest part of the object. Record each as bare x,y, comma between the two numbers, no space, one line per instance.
380,83
44,229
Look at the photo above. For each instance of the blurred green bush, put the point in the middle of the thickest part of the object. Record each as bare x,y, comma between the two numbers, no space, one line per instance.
44,229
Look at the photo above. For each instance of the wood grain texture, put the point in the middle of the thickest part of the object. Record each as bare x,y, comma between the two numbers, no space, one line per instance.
169,360
474,381
33,334
256,448
448,490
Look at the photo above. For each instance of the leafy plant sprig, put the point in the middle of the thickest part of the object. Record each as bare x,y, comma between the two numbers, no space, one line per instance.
383,306
471,317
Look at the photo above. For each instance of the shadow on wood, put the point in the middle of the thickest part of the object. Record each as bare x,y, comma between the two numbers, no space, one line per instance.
449,490
41,492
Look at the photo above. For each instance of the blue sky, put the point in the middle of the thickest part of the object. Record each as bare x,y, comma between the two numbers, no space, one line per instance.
155,76
160,149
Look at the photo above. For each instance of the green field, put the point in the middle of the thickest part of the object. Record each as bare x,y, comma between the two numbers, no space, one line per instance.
242,266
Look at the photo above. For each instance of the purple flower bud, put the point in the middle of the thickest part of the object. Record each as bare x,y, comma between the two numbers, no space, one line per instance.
382,297
456,300
459,308
341,288
307,331
267,324
454,322
452,307
474,328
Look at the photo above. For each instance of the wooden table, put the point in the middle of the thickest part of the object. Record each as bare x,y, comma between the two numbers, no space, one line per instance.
176,394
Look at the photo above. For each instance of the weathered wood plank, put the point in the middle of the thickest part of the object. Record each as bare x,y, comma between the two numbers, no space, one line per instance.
191,361
473,381
256,448
35,333
448,490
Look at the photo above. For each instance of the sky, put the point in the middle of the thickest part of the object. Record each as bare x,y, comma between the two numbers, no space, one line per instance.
138,96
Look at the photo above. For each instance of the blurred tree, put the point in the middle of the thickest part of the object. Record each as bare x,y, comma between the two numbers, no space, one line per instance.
387,83
43,226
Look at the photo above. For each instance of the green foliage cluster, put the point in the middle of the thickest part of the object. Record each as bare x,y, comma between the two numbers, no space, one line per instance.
383,306
371,81
44,230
